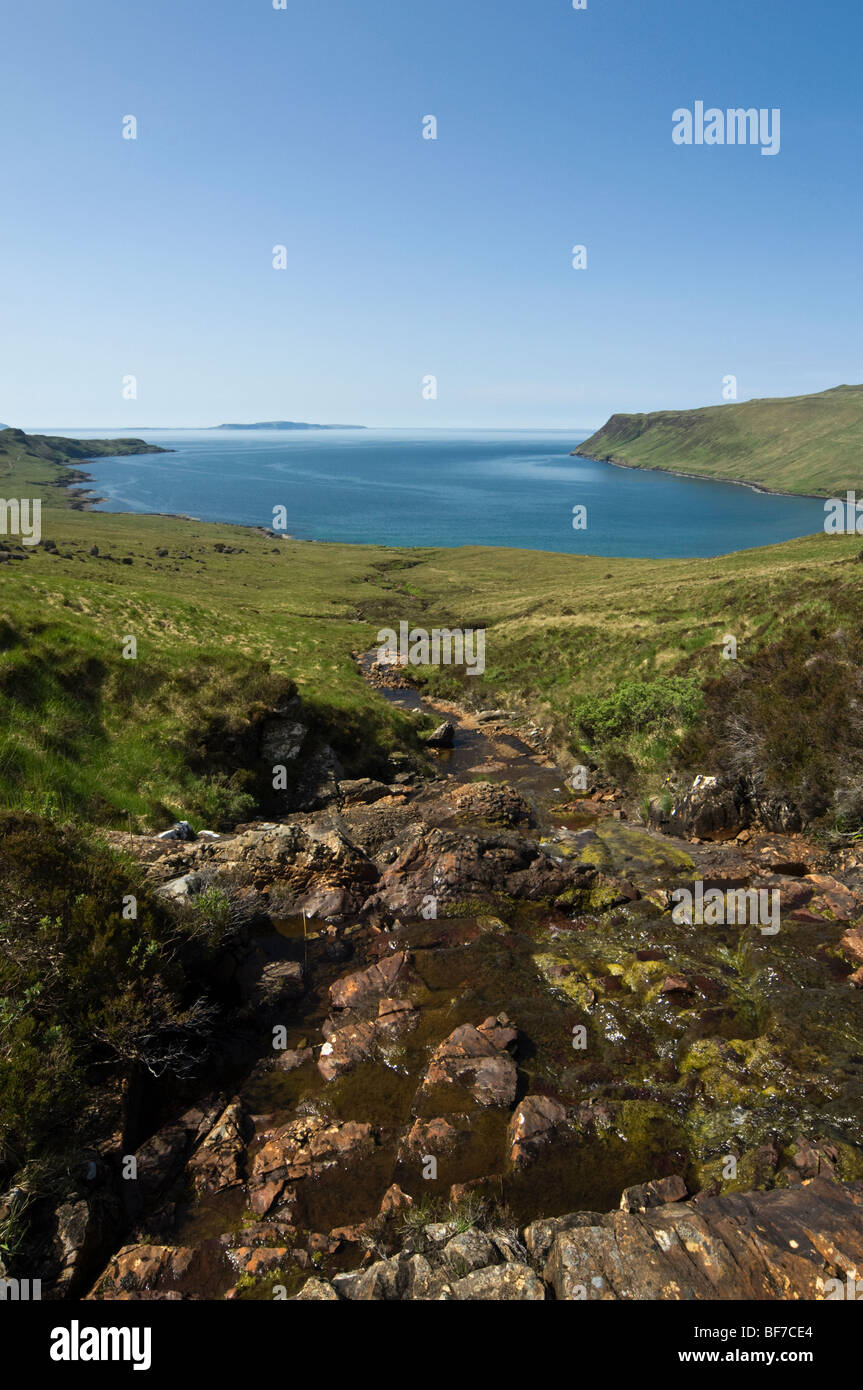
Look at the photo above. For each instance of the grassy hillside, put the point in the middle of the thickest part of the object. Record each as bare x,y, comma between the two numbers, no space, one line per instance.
31,464
805,444
612,655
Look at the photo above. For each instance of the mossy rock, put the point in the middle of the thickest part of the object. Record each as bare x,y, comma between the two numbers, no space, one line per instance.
633,854
720,1067
640,975
560,975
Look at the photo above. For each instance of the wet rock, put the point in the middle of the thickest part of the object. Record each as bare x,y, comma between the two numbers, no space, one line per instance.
355,1041
258,1234
267,1193
442,737
138,1268
364,791
395,1201
160,1159
346,1048
457,866
268,985
359,990
811,1159
291,1058
430,1136
307,1146
653,1194
833,898
675,984
508,1282
477,1059
260,1260
395,1016
532,1122
852,942
219,1162
359,1040
758,1246
492,803
338,951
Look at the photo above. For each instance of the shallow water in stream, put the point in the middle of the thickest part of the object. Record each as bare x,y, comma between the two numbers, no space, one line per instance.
766,1040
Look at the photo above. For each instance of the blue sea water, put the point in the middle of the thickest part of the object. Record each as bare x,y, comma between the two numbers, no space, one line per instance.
442,488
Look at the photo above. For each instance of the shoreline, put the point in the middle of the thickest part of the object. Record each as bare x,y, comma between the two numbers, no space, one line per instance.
84,499
698,477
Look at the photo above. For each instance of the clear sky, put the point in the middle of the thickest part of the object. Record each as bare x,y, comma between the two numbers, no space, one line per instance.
409,257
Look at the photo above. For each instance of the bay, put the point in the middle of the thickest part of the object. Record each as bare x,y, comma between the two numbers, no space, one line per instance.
442,488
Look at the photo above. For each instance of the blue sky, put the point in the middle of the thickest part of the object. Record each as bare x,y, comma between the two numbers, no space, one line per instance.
410,257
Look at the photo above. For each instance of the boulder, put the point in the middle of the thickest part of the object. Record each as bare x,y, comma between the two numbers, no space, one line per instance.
144,1268
477,1058
653,1194
442,737
308,1145
492,803
182,888
179,831
532,1122
708,811
456,865
361,989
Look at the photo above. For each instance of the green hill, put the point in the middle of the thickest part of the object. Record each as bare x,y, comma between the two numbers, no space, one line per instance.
805,444
226,619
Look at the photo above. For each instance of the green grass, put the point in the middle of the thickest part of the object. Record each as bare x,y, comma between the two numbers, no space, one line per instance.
805,444
220,635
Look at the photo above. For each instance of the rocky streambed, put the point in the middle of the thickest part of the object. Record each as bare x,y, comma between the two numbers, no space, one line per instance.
489,1063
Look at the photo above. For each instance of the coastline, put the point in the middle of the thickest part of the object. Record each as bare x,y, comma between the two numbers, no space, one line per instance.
82,498
699,477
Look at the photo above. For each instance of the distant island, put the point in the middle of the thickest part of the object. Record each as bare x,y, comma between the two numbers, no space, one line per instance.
287,425
809,445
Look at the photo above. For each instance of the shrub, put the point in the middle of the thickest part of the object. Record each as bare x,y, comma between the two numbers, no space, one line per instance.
639,707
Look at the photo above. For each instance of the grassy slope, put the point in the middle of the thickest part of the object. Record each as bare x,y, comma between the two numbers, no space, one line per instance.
85,731
805,444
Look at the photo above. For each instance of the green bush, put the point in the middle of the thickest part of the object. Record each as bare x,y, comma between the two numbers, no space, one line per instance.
639,707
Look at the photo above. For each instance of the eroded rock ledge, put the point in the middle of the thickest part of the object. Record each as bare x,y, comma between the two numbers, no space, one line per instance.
801,1243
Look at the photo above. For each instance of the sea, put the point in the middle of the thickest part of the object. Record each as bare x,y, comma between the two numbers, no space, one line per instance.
517,488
